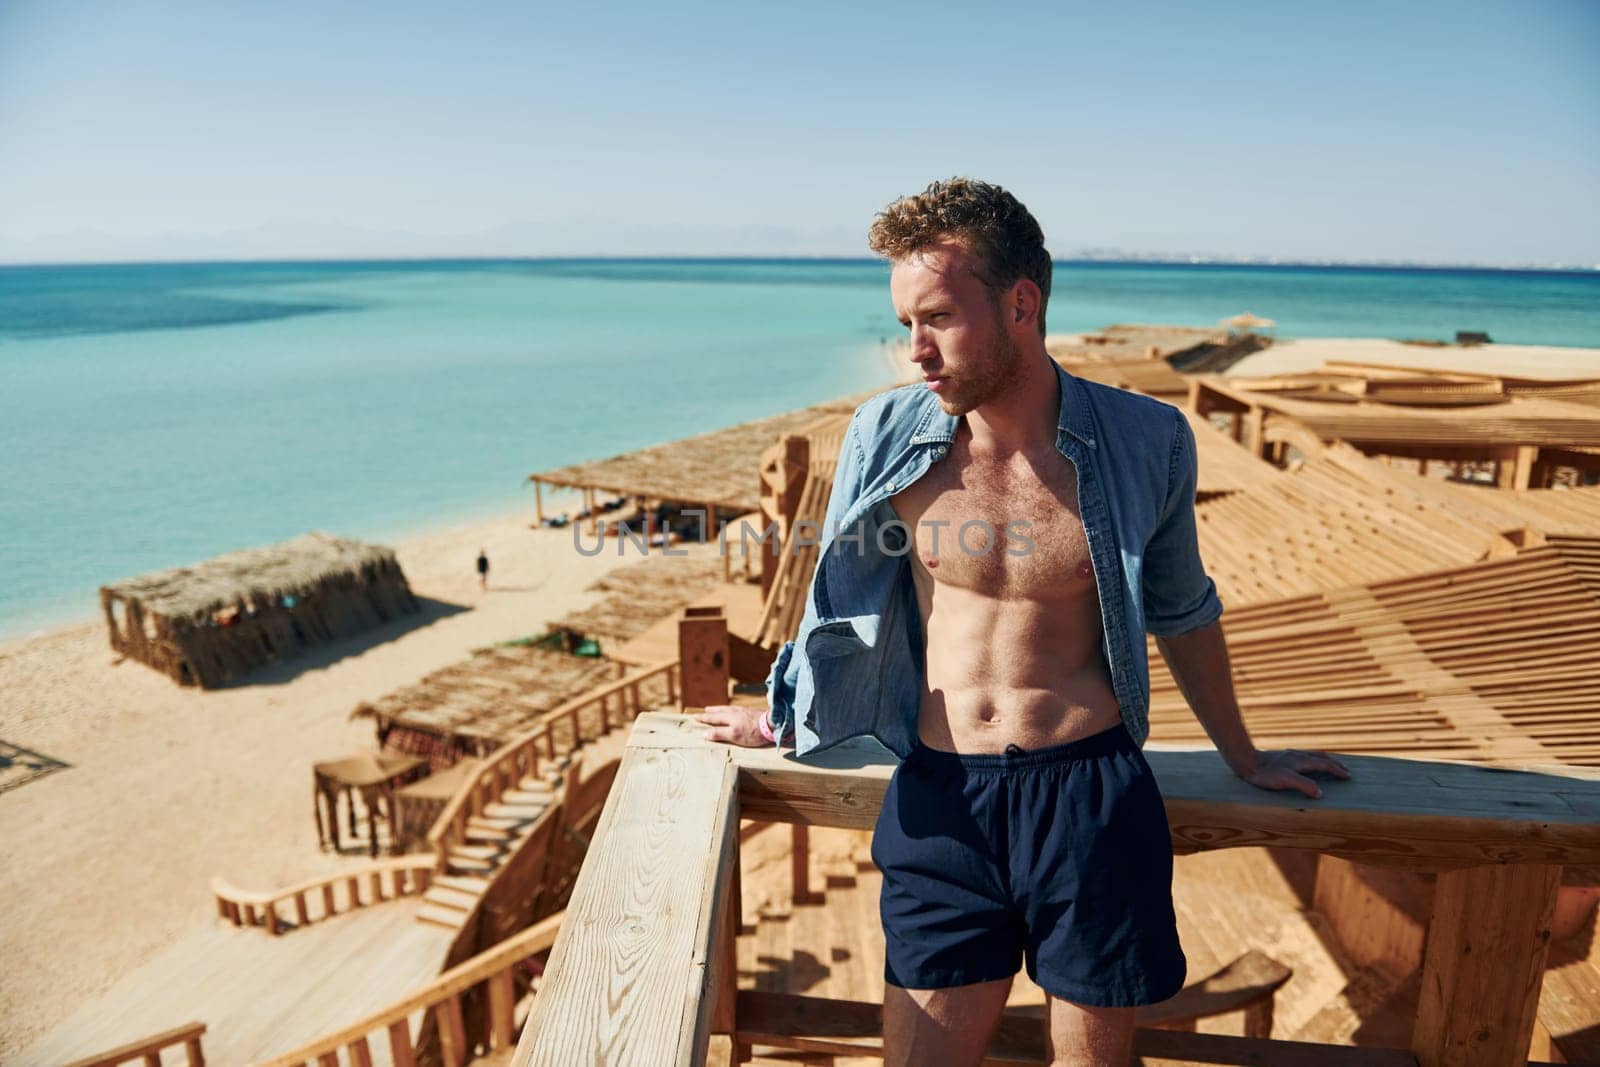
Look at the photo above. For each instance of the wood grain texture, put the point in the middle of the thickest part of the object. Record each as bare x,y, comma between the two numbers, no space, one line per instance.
1426,814
630,976
1485,959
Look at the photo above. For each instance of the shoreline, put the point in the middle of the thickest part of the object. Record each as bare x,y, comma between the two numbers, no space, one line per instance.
166,786
48,623
1287,355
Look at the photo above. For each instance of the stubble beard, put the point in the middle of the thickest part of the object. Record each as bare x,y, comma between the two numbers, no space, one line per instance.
990,378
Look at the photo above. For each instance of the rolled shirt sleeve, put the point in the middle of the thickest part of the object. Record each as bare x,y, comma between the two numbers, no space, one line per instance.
783,679
1178,594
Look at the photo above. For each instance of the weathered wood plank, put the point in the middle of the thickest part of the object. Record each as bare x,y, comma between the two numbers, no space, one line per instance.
631,975
1485,958
188,1035
1427,814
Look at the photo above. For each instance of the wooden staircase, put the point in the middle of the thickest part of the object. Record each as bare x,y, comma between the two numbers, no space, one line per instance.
504,826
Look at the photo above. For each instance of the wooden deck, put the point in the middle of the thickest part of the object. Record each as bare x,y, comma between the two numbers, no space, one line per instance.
831,945
258,995
641,969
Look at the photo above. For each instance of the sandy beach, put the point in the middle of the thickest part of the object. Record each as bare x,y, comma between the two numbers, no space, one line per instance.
110,858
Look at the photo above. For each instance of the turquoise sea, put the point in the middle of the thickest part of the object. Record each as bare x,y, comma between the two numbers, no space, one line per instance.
152,415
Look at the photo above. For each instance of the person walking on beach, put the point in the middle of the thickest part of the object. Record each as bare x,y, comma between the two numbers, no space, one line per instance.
1000,538
483,569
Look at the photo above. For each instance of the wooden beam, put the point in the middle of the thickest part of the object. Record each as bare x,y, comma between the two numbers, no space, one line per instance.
1422,814
1484,963
188,1034
853,1028
632,977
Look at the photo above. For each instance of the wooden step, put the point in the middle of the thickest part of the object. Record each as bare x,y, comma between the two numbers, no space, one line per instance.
521,812
520,797
477,852
498,822
488,834
446,897
469,865
537,785
464,882
449,918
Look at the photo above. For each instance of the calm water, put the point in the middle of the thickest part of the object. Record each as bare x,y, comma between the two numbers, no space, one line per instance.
155,415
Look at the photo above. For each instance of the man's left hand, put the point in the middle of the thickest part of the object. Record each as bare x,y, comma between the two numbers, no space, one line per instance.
1290,768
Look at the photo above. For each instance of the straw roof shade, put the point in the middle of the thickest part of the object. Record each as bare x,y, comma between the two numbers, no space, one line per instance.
210,622
715,468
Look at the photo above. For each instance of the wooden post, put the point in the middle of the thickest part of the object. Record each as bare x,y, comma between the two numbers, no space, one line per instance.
400,1043
1522,466
1484,964
316,809
1258,419
703,654
800,863
724,1016
452,1032
502,1001
538,501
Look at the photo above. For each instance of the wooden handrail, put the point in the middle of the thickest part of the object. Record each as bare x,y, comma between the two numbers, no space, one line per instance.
646,970
149,1048
521,756
406,875
493,965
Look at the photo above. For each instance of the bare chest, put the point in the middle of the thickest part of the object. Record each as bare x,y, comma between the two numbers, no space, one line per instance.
1010,530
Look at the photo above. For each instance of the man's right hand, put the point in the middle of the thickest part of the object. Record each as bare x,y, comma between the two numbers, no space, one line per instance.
734,725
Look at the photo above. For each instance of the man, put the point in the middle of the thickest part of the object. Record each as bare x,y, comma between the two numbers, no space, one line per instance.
483,569
999,539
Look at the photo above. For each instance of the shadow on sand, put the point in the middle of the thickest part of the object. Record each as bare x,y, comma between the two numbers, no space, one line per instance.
428,612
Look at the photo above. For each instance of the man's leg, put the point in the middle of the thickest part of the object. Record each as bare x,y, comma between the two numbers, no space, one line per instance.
941,1027
1089,1037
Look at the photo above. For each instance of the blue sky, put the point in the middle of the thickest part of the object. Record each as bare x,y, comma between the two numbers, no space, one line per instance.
1422,131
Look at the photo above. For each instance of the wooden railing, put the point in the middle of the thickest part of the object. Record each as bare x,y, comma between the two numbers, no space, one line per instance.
526,756
148,1050
317,899
644,972
494,970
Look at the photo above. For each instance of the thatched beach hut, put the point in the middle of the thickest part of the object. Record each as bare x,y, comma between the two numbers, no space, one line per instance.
709,470
211,622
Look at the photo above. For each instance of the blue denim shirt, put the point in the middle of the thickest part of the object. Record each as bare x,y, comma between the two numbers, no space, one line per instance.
856,665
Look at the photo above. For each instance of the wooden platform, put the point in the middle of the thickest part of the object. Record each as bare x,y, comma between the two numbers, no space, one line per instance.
258,995
832,944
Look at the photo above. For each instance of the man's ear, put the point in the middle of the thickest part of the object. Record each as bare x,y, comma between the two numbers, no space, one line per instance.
1024,301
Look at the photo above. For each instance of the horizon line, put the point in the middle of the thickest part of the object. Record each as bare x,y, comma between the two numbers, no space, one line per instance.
1109,259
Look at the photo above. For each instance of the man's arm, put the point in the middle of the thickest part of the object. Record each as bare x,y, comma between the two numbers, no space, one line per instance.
1183,611
744,726
1199,664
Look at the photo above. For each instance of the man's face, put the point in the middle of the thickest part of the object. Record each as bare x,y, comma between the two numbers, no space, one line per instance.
958,338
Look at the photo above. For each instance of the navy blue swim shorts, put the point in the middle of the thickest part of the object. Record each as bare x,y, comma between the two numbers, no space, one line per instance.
1061,855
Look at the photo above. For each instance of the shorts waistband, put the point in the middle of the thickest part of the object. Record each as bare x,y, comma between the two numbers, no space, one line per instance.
1107,741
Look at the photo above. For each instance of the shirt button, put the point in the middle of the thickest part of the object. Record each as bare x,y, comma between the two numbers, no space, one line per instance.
938,452
891,487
